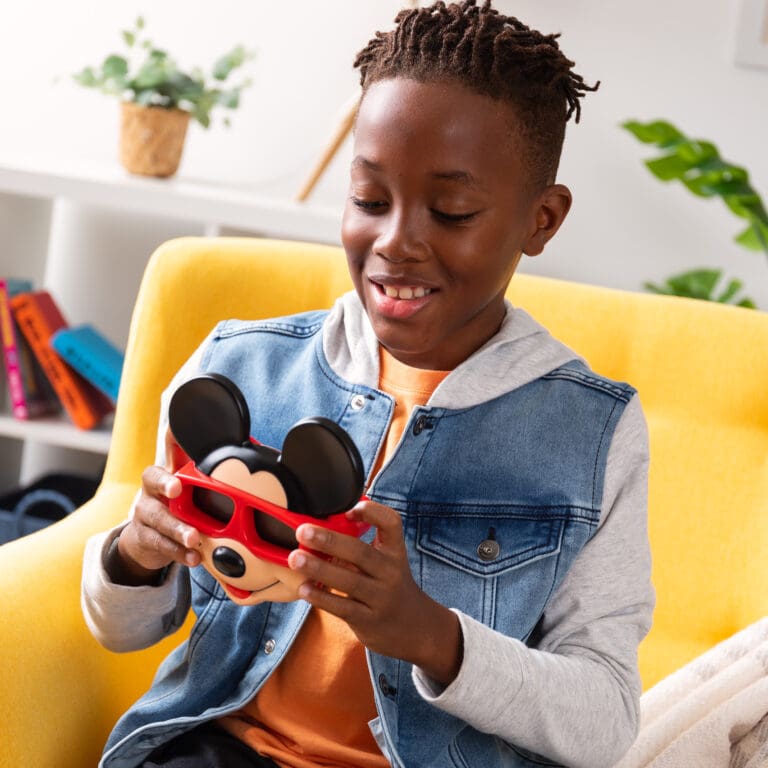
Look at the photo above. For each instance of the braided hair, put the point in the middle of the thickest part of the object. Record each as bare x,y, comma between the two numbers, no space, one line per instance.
491,54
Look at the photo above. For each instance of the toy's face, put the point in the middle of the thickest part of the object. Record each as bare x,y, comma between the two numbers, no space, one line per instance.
247,500
245,541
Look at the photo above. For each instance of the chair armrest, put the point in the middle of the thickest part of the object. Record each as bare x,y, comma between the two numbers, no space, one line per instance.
61,692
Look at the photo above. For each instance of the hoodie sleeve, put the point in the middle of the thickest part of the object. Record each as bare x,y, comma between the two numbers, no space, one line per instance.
572,696
126,618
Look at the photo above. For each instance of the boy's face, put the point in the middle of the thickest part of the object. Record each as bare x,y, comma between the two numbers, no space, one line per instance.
438,216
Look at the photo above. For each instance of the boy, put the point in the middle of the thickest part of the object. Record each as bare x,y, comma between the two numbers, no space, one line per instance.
494,619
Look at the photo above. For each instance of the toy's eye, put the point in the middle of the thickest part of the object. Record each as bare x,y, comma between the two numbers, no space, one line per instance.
273,531
214,504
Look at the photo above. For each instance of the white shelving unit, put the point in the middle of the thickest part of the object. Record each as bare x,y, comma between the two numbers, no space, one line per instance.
85,234
268,210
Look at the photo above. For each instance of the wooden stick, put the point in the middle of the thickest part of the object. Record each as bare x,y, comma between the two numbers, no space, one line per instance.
341,132
342,129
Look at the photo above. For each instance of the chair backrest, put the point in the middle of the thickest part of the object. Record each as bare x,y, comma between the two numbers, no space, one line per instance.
701,371
189,285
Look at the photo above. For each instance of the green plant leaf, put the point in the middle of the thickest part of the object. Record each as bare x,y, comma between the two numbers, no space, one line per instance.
701,284
153,74
754,237
733,287
668,167
745,206
698,283
86,77
223,67
229,99
696,152
657,132
114,67
202,114
147,98
152,77
697,164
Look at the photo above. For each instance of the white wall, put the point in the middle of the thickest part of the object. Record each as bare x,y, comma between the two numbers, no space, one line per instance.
659,58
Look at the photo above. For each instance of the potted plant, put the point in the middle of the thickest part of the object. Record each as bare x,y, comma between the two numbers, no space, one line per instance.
697,164
158,98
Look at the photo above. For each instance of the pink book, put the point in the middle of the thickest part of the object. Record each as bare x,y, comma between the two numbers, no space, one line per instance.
30,394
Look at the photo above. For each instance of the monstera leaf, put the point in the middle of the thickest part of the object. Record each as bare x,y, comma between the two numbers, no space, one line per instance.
697,165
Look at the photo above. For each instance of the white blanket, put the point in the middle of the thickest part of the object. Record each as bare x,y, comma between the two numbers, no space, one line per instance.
712,713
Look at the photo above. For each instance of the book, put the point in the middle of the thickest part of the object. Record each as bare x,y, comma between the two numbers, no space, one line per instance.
92,355
29,391
38,318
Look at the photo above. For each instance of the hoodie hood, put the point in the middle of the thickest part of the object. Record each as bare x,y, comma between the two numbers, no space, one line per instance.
522,351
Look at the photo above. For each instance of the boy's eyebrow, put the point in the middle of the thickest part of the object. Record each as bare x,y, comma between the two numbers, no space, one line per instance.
460,177
359,161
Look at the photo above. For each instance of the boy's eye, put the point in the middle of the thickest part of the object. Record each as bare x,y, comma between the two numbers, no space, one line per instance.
368,205
454,218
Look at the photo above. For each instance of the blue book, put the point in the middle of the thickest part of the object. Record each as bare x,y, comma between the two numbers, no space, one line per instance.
93,356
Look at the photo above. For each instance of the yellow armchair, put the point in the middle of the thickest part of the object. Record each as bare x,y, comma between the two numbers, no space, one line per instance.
702,374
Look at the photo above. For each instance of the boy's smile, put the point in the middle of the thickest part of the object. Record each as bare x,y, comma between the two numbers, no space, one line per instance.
439,213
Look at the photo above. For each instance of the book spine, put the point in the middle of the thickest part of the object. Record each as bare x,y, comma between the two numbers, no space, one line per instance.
11,354
100,376
92,355
39,318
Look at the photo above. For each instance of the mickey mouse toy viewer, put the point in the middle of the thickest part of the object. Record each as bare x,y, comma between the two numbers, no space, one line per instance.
247,499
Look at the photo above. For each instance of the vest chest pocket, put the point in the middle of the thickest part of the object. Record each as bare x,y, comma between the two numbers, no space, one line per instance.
500,570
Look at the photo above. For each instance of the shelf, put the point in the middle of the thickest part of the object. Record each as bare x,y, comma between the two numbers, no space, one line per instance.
268,210
57,431
58,243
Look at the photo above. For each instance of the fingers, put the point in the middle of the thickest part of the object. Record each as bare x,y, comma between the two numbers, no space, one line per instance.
388,524
353,567
154,537
371,587
157,482
339,576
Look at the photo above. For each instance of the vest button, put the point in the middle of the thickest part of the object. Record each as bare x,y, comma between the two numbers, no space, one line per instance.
421,424
385,687
488,550
357,403
269,646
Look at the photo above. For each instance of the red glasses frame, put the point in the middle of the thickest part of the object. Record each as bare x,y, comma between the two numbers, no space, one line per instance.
242,526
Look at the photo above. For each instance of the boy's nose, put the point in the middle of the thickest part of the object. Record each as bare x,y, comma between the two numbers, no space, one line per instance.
228,562
400,239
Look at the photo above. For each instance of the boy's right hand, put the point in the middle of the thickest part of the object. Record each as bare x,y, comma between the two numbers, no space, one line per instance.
154,538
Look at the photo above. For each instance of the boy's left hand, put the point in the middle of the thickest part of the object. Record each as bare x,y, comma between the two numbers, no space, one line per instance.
381,602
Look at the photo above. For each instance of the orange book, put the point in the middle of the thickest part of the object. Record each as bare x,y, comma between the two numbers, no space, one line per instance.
38,318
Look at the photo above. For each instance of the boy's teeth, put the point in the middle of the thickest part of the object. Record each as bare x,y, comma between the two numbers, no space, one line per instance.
406,292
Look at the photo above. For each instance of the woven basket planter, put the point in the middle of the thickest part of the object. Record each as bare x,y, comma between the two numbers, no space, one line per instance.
152,139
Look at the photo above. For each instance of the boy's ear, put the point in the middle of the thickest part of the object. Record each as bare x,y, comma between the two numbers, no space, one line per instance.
550,208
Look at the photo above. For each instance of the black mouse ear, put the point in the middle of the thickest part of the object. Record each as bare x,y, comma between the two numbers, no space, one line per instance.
326,465
207,412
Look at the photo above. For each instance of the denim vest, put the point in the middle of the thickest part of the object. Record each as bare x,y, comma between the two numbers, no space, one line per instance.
497,500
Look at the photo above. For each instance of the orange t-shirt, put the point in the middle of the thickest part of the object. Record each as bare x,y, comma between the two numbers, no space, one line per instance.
314,709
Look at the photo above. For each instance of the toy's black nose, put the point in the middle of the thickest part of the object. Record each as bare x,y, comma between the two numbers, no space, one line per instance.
228,562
